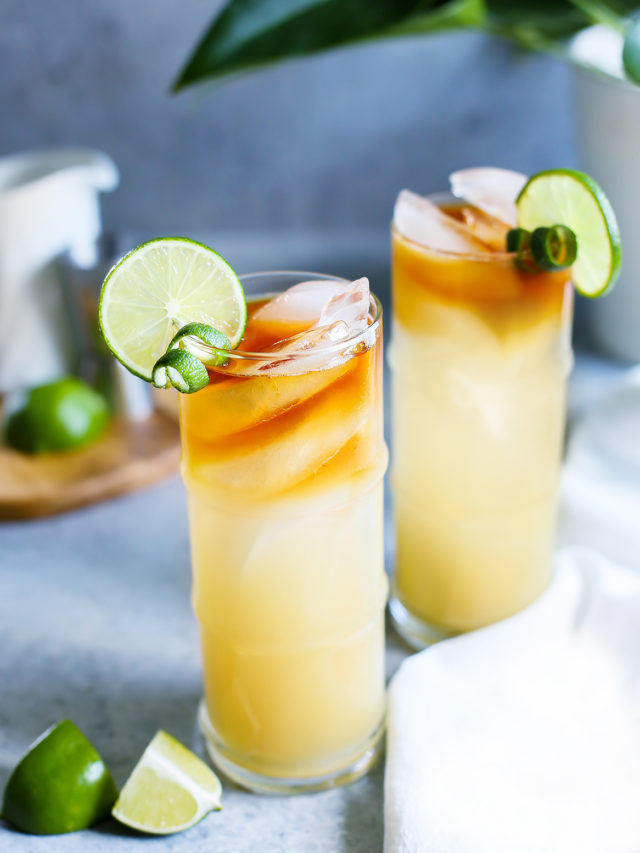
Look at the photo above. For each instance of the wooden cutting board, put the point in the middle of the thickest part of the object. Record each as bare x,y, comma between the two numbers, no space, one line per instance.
131,455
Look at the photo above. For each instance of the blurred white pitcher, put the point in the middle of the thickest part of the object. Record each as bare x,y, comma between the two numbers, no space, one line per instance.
48,206
608,119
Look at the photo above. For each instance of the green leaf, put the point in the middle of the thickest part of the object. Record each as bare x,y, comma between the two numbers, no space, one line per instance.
631,51
554,18
252,33
547,18
452,15
546,25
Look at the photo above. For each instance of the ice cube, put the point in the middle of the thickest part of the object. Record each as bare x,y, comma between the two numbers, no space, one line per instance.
317,336
492,190
344,314
287,360
301,305
421,221
350,306
487,228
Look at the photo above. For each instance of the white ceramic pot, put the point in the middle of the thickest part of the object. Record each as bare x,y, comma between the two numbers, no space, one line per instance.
608,124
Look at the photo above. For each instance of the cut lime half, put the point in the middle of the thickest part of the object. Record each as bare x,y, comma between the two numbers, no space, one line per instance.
573,199
169,790
158,288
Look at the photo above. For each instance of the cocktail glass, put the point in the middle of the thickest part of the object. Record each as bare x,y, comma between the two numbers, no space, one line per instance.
480,357
283,458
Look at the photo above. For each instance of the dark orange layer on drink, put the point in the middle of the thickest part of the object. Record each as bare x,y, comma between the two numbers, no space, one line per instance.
489,282
258,437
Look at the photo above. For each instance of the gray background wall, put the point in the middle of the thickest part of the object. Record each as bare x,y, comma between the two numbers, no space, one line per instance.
324,143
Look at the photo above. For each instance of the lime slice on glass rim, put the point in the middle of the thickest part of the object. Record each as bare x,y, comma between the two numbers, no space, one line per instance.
157,289
576,201
169,790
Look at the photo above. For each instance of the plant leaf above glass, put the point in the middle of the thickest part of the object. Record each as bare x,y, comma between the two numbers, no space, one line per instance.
250,34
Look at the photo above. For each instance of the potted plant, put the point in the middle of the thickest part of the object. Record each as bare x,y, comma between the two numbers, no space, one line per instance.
601,39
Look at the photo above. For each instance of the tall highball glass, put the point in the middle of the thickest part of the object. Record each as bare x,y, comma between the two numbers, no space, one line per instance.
283,459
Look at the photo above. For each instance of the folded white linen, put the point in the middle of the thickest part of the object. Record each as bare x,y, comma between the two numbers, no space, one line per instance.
524,737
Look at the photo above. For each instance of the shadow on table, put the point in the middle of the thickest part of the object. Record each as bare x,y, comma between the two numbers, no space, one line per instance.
363,819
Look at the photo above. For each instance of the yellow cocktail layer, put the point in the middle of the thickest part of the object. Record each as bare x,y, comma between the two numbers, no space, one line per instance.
480,357
291,616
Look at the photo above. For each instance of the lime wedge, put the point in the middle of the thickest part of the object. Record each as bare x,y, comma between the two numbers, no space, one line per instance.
160,287
573,199
169,790
60,785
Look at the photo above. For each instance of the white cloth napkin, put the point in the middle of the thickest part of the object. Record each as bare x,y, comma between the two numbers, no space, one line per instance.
525,737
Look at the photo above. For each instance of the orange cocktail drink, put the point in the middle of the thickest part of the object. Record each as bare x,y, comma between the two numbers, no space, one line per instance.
283,459
480,358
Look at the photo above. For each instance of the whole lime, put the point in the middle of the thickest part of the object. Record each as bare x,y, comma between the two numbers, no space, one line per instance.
60,785
61,415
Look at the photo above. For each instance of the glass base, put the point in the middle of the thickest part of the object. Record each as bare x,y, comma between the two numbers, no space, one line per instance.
281,785
415,632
